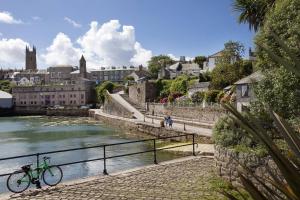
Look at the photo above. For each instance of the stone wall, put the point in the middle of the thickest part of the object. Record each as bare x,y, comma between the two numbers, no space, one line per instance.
208,114
68,112
143,92
148,129
227,164
112,107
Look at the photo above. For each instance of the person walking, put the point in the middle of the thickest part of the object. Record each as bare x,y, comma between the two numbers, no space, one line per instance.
170,122
166,121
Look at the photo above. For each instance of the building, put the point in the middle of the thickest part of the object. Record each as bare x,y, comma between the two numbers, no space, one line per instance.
213,59
30,59
179,68
140,75
44,96
198,87
244,90
38,77
142,92
5,100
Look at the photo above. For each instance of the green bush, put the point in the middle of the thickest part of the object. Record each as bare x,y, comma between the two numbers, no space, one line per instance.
101,90
211,96
179,85
227,133
198,97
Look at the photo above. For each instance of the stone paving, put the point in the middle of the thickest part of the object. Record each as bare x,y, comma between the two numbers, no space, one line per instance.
187,179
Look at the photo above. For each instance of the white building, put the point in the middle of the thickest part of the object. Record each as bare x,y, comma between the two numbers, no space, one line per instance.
5,100
212,61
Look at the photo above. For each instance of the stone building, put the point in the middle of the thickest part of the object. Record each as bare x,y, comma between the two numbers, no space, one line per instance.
142,92
43,96
213,59
244,90
30,59
182,67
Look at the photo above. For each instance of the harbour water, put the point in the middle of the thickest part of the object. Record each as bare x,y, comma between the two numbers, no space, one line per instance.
36,134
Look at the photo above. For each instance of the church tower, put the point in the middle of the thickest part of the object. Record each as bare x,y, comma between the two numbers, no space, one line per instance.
30,59
82,67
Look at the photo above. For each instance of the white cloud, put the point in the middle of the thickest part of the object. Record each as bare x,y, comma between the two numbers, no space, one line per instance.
142,56
187,58
12,52
113,44
75,24
110,44
61,52
7,18
36,18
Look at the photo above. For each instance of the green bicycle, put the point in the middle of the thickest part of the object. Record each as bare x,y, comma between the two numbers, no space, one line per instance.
20,180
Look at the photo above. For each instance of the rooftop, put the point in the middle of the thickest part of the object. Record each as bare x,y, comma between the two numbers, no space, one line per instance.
252,78
5,95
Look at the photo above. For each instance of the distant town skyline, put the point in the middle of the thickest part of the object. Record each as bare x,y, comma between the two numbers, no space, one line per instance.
112,32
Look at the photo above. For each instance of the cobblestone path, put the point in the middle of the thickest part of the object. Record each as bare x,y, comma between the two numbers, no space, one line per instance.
186,179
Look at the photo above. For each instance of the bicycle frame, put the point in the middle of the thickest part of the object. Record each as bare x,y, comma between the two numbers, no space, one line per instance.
36,173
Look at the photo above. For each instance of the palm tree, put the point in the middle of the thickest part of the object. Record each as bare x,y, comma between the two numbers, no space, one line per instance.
253,12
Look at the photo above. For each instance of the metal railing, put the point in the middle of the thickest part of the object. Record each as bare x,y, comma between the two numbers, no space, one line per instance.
105,156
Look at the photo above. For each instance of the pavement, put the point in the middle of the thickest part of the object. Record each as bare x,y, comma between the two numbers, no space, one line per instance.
187,178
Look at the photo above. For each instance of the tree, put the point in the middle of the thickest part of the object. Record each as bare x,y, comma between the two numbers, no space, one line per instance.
226,74
157,62
200,60
179,85
5,85
101,90
253,12
232,50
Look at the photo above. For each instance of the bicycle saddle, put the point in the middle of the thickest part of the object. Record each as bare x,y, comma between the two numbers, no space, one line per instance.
26,167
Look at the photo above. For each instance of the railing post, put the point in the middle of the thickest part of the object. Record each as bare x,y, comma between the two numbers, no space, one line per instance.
194,145
37,181
104,161
184,126
154,151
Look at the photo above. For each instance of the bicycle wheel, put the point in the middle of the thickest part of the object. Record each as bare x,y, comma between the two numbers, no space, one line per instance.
52,175
18,182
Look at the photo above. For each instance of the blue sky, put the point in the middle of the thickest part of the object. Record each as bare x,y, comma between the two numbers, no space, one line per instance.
177,27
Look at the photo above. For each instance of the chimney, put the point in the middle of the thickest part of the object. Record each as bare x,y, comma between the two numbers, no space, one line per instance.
140,67
182,59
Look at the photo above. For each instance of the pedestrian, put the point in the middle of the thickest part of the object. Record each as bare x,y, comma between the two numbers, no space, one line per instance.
166,121
170,122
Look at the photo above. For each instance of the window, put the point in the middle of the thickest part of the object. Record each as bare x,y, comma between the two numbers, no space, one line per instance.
71,102
245,90
52,74
21,102
63,96
58,74
82,96
71,95
74,95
